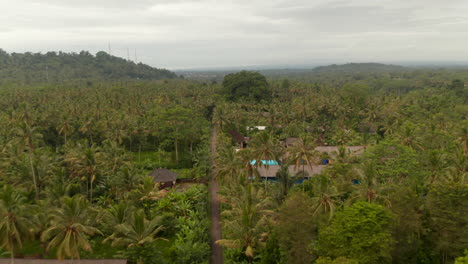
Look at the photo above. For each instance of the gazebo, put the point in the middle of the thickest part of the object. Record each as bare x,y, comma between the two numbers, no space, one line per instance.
165,177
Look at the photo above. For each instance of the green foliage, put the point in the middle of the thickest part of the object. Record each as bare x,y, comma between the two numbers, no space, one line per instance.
246,85
339,260
245,223
70,228
191,243
15,223
296,228
360,232
447,207
463,259
82,135
408,227
271,254
148,254
394,162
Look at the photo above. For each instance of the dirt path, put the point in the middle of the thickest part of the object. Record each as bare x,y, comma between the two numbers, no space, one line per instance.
215,229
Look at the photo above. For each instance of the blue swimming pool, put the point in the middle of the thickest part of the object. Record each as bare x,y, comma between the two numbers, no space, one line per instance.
265,162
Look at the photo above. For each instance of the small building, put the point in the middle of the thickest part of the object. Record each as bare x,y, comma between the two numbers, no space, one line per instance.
333,150
239,138
259,128
269,172
166,178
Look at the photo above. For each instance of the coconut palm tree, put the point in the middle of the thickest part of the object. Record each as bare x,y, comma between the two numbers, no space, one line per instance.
83,162
65,128
26,136
15,224
117,214
369,188
136,232
246,220
229,166
303,152
264,146
69,228
326,197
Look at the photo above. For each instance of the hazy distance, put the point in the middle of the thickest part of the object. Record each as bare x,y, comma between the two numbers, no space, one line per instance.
180,34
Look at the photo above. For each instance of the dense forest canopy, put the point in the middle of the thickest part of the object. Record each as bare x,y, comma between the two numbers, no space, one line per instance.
349,72
52,67
246,85
80,150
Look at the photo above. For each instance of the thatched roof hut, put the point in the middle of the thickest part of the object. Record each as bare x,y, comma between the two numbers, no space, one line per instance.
164,176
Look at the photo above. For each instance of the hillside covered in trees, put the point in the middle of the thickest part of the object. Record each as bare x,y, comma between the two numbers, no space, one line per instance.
53,67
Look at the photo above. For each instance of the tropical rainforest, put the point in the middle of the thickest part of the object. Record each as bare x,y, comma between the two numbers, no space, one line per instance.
80,134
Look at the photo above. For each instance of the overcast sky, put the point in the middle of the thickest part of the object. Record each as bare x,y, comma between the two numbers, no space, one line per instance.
207,33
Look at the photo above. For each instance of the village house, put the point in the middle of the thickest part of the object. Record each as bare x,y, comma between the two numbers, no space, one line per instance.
329,154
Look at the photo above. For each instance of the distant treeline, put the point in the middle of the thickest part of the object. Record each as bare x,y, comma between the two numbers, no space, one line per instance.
34,68
339,75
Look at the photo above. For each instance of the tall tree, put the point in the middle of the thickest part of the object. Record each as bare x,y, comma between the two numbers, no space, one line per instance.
245,223
27,136
70,226
15,220
246,85
303,153
136,232
360,232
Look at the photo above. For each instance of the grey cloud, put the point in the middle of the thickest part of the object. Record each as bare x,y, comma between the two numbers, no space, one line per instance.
83,4
206,33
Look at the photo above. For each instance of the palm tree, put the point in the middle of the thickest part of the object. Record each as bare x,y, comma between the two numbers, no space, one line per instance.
69,228
285,182
245,222
84,162
117,214
458,169
229,165
15,225
302,152
264,146
65,128
326,197
369,188
407,136
136,232
27,135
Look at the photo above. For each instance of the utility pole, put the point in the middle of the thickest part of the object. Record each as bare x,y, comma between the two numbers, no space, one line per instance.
128,55
109,48
136,59
47,72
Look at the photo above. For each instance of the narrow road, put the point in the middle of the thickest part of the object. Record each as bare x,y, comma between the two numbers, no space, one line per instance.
215,229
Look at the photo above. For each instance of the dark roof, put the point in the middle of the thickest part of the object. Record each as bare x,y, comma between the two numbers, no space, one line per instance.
163,175
238,137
